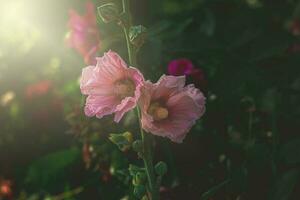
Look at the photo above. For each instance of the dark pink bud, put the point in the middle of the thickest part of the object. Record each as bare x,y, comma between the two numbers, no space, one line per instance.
180,67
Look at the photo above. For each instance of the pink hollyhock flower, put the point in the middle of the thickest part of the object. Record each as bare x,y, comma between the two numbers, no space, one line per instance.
170,109
180,67
111,87
84,34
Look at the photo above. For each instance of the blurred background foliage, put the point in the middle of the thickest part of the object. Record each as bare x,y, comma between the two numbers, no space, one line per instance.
246,147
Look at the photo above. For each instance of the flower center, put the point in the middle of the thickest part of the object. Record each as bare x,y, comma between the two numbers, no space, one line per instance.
158,112
124,88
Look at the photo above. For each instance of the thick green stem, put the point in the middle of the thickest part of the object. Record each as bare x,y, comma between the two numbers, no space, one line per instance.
146,138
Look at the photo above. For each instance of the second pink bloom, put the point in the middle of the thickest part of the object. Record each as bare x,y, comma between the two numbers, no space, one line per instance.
170,109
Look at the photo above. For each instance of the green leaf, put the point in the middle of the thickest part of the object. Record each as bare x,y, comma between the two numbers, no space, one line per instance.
51,168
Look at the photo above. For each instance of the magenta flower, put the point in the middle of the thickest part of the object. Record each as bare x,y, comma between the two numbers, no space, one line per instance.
111,86
180,67
170,109
84,34
183,66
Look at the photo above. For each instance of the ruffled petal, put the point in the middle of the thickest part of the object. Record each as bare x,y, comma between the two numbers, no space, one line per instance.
129,103
100,106
87,82
166,85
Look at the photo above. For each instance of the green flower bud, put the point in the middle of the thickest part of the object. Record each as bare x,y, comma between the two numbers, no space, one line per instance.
108,12
128,136
123,141
134,182
137,35
161,168
137,146
139,191
140,178
145,197
133,170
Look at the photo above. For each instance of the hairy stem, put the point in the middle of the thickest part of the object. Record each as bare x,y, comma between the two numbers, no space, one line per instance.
126,25
146,138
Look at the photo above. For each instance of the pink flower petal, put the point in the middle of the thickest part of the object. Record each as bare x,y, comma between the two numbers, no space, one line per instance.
184,105
101,83
100,106
168,84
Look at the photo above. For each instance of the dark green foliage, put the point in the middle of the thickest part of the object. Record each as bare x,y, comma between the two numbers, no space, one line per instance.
284,185
290,152
52,169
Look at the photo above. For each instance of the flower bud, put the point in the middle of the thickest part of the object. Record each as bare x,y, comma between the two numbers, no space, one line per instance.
145,197
108,12
134,182
161,168
140,178
133,170
137,35
139,191
123,141
128,136
137,146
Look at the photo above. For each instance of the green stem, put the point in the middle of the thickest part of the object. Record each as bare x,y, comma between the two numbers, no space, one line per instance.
131,51
131,57
146,138
148,160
